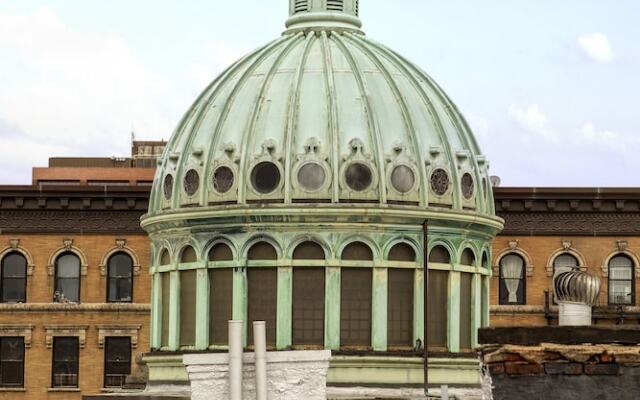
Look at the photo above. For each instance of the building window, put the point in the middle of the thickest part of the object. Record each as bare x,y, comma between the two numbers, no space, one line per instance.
188,298
308,297
440,255
220,304
67,287
14,278
621,281
66,351
512,280
468,258
355,307
120,279
565,263
400,307
11,362
438,309
263,290
117,361
465,311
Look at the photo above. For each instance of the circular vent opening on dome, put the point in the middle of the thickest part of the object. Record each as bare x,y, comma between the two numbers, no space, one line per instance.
168,186
265,177
440,181
223,179
191,182
312,176
358,176
467,186
403,179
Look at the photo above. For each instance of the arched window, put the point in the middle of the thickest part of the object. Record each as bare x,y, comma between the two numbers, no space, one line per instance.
512,289
14,278
165,258
439,254
221,295
465,311
188,255
485,260
621,281
357,251
438,309
188,285
308,297
402,252
120,278
355,298
263,291
565,263
467,257
67,285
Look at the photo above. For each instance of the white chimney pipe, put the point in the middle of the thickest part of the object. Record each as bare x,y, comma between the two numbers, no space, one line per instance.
260,344
235,359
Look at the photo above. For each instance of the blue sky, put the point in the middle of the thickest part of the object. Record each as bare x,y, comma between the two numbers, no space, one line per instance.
550,87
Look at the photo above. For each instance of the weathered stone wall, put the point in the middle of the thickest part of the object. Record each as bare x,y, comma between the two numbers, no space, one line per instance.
291,375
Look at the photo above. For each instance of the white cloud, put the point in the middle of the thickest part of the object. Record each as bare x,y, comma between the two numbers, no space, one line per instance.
606,139
597,47
533,120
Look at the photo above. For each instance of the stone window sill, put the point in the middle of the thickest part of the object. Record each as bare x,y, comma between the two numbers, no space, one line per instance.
10,389
64,389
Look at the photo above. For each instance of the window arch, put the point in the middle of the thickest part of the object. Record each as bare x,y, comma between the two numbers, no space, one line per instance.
402,252
262,251
67,278
220,252
512,290
13,281
120,278
165,257
188,255
262,285
308,297
621,281
357,251
468,257
565,262
440,254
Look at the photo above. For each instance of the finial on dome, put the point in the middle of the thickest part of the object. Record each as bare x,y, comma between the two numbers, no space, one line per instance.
323,14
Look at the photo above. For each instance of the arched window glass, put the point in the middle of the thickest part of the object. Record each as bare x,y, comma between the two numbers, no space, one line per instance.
188,255
357,251
438,309
621,281
120,279
263,291
565,263
467,257
402,252
14,278
440,254
465,311
165,258
308,297
512,280
400,307
485,260
67,286
220,252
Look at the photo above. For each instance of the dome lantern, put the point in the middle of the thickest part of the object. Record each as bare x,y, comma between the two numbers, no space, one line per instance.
323,14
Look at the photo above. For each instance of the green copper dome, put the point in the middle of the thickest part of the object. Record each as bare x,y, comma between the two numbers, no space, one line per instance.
323,114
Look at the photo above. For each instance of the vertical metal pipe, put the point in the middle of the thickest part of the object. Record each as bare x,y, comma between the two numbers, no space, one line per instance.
425,231
260,344
235,359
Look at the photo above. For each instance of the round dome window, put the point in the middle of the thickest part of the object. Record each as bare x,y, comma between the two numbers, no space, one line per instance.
265,177
358,176
223,179
311,176
403,179
440,181
167,186
467,186
191,182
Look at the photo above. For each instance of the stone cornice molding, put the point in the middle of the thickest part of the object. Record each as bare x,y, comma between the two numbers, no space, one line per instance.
116,330
66,330
16,330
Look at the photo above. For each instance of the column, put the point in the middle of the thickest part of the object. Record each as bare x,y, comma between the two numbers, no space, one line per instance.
453,314
486,282
202,308
332,309
476,308
418,309
285,295
379,309
174,311
156,310
240,298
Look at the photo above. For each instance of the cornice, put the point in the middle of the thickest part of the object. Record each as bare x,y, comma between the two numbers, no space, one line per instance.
79,308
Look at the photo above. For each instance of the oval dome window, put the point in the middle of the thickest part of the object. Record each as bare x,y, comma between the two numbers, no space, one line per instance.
265,177
223,179
191,182
311,176
358,176
168,186
467,186
403,179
